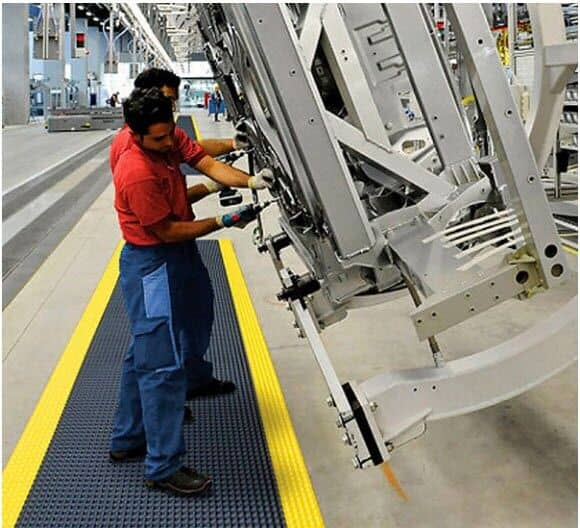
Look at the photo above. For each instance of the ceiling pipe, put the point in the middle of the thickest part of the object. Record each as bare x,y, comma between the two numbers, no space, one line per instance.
134,11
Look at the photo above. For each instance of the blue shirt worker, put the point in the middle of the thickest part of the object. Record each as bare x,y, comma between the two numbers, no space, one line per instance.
161,277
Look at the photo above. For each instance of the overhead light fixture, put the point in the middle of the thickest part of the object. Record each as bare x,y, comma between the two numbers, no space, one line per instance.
96,19
89,13
80,7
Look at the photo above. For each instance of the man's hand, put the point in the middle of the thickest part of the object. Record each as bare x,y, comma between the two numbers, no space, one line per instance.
262,179
239,218
241,141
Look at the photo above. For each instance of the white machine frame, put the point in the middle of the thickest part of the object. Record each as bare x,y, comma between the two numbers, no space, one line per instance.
266,56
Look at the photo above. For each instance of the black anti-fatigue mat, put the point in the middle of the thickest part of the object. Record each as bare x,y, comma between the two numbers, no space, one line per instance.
185,122
78,487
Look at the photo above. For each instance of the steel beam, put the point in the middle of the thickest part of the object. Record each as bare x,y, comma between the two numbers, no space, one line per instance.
513,150
427,74
293,107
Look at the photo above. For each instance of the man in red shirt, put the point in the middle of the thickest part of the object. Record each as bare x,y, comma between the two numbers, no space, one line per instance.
166,288
200,379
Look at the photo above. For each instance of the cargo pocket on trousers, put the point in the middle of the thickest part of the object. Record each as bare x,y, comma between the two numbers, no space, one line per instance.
156,294
153,347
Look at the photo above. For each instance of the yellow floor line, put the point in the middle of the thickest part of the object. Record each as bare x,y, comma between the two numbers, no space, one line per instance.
193,123
196,129
20,472
299,502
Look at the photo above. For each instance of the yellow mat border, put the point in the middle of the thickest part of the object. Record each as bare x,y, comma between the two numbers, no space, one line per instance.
21,470
299,502
195,129
193,124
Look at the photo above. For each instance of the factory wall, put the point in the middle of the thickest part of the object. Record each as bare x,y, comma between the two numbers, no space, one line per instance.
15,66
78,69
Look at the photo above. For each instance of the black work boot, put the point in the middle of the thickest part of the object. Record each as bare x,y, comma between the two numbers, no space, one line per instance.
128,455
215,387
184,481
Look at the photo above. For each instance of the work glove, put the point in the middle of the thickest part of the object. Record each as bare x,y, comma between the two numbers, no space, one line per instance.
212,186
262,179
241,141
240,218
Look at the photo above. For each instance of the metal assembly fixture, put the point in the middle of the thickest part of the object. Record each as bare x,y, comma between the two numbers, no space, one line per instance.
386,184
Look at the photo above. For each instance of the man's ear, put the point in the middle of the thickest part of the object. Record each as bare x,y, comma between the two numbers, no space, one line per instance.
138,138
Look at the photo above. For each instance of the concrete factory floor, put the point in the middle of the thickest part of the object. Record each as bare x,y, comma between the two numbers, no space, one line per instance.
29,150
511,465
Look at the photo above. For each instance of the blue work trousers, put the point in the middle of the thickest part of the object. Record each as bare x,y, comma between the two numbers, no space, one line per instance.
169,300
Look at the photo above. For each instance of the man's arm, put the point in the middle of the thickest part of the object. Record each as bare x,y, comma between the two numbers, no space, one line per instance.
197,192
217,147
194,155
222,173
172,231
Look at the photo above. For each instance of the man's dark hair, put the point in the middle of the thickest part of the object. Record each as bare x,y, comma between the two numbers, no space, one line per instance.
157,78
148,107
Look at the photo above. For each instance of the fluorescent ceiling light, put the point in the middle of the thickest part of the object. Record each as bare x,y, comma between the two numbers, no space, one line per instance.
96,19
80,7
89,13
158,49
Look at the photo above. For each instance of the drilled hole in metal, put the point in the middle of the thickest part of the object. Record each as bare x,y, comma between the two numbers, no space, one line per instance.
557,270
551,251
522,277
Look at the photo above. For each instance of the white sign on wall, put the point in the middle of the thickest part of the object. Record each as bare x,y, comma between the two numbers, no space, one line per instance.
198,69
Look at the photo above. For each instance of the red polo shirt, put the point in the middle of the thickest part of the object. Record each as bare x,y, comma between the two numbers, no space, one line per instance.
149,188
186,149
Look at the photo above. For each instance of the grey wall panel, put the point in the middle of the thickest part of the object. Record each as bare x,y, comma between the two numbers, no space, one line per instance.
15,67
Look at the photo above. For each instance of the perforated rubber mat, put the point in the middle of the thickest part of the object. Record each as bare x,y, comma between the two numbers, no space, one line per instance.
78,487
185,122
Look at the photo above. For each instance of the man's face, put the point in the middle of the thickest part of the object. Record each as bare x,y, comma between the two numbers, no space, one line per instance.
167,91
159,139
